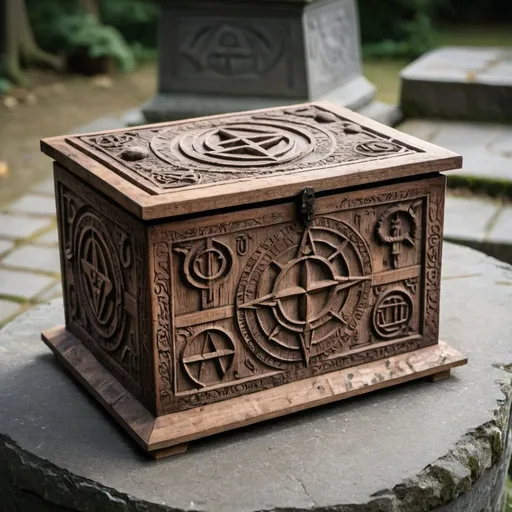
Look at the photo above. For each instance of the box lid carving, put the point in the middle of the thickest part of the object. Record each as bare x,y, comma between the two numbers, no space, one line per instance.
222,161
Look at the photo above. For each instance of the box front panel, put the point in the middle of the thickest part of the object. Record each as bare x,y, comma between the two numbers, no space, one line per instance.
255,299
104,272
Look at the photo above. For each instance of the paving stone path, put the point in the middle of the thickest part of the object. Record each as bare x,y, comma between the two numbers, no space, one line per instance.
29,254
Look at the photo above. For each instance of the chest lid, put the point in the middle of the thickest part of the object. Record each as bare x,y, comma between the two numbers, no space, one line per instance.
169,169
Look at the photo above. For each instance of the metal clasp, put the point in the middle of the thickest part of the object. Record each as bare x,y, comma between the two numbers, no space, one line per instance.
307,206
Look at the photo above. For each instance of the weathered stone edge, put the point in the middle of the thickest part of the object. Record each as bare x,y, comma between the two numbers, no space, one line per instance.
440,482
493,187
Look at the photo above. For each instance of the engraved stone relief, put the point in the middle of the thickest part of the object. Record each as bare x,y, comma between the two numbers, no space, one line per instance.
231,49
332,46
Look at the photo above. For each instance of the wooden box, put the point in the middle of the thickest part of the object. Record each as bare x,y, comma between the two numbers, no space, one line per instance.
225,270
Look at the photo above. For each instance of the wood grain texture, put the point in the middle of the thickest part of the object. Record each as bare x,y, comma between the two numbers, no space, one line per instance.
172,169
154,434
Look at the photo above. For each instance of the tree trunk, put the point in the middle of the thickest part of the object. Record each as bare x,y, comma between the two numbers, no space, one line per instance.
91,7
19,43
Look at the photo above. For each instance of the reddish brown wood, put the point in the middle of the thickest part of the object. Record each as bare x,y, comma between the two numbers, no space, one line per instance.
195,310
168,169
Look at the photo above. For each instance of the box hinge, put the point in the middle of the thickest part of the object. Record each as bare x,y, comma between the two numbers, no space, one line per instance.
306,206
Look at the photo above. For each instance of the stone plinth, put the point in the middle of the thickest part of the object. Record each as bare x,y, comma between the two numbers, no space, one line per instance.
416,447
463,83
227,56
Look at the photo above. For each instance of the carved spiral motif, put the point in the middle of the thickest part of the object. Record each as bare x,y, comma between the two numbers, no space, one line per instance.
378,147
246,145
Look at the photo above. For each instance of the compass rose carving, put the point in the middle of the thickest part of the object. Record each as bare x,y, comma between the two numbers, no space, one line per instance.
316,282
99,279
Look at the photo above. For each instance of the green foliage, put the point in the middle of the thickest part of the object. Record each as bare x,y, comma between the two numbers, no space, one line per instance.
5,86
80,31
135,19
397,28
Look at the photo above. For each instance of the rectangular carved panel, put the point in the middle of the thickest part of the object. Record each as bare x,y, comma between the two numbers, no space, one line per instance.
106,292
254,299
245,50
332,45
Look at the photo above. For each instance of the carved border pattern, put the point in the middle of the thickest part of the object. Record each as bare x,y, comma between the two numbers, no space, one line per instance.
162,284
281,378
433,255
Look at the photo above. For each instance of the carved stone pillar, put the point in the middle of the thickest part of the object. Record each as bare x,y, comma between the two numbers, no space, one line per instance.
223,56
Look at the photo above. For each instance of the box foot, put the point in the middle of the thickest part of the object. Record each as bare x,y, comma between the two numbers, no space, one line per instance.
170,451
439,376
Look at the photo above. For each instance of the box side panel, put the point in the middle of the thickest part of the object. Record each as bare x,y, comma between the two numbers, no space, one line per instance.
105,281
254,299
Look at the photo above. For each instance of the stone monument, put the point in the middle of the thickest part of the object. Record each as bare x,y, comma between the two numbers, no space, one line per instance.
226,56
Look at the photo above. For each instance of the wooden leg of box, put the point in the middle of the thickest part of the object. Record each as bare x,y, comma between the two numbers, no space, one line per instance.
439,376
169,452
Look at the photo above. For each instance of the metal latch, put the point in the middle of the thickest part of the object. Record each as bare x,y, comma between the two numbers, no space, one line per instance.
307,206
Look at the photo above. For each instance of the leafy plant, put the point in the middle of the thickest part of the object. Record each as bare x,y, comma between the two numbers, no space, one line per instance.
79,32
135,19
397,28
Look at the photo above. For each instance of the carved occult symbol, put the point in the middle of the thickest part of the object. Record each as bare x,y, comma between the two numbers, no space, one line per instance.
397,226
99,278
392,314
242,244
300,288
113,140
253,144
166,179
378,147
207,265
232,50
208,356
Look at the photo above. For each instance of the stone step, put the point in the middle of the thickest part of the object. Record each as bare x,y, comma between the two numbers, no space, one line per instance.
459,83
485,147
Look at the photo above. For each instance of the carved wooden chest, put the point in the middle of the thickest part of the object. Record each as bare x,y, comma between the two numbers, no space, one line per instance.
226,270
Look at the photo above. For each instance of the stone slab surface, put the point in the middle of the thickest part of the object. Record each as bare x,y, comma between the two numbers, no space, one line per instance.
8,309
460,83
19,226
501,230
22,284
34,204
46,187
5,245
46,259
485,147
63,452
468,218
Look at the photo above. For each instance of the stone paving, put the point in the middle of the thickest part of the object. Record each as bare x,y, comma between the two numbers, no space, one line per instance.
29,254
486,147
